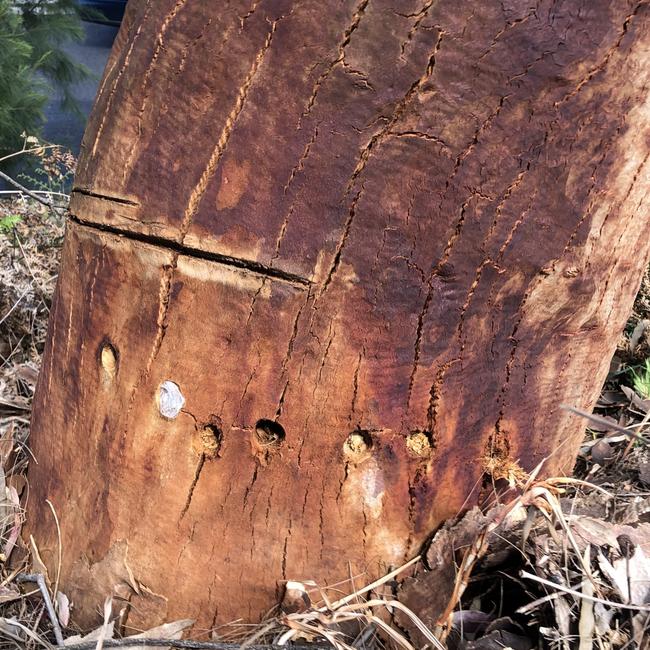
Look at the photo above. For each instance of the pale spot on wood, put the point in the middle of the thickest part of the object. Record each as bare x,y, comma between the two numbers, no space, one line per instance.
372,489
234,181
109,360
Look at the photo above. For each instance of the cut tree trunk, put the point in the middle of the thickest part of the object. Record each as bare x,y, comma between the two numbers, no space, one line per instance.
375,247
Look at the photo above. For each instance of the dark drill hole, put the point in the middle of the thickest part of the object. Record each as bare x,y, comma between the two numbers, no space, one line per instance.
211,437
357,444
269,433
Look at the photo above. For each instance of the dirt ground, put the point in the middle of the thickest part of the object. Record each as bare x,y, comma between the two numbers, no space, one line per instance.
566,564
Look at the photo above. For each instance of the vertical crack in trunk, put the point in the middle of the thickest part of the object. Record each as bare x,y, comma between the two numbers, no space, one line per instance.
218,151
190,492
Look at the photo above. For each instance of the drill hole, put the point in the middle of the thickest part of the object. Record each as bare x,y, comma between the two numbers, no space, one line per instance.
419,443
269,433
211,437
357,445
108,358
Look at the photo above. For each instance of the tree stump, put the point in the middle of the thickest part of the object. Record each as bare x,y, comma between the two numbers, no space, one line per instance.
331,269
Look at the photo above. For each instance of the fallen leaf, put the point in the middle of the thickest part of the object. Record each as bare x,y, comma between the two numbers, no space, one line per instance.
172,630
62,608
562,616
471,622
7,442
599,533
9,592
295,599
91,636
602,618
644,472
617,579
601,426
27,373
14,532
639,402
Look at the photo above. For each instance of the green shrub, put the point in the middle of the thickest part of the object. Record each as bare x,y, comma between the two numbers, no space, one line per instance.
33,62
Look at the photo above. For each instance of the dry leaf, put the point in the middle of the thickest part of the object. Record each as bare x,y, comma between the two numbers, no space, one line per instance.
599,532
27,373
7,442
644,472
108,625
62,608
14,532
296,598
91,636
637,401
586,623
172,630
9,592
616,578
562,616
602,618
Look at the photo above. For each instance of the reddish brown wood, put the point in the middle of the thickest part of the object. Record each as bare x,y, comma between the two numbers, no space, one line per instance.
407,232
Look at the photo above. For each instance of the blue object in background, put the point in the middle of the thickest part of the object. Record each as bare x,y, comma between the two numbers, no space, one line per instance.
112,11
65,128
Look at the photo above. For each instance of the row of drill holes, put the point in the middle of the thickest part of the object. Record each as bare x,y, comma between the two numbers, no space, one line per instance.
359,444
268,433
271,434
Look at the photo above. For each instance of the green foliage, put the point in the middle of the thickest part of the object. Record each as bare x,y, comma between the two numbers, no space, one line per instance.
33,62
21,95
641,380
49,25
7,223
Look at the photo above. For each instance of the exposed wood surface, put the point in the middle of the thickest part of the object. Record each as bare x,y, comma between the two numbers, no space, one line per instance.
422,224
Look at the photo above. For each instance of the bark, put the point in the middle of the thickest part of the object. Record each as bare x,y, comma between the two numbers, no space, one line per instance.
375,246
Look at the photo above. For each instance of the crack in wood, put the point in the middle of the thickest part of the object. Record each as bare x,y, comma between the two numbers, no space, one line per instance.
345,41
458,228
144,90
608,55
107,110
341,245
419,17
251,11
386,132
190,492
104,197
189,251
200,188
508,26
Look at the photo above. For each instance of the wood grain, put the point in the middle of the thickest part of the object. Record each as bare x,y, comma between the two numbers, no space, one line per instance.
421,225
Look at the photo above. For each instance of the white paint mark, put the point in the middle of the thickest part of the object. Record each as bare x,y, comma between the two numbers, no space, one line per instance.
170,400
